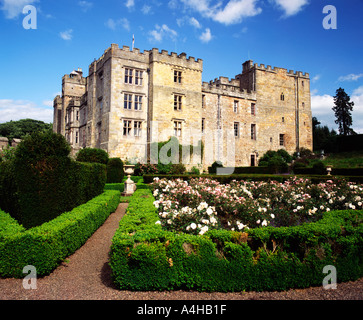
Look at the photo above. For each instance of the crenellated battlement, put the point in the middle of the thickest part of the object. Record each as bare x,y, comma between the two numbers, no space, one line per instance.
148,56
76,76
228,87
173,58
248,65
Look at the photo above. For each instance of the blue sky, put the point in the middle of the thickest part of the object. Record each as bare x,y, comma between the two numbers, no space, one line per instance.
282,33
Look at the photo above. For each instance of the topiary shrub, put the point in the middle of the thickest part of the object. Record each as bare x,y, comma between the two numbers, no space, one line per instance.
115,170
42,181
92,155
213,168
319,167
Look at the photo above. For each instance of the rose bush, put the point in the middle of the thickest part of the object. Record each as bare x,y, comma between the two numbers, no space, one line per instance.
203,204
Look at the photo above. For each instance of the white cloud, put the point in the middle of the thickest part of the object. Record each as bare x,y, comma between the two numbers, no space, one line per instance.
233,12
111,24
66,35
195,23
240,33
206,36
322,105
146,9
358,91
12,8
85,5
114,24
351,77
315,78
189,21
161,32
48,103
357,114
291,7
173,4
22,109
130,4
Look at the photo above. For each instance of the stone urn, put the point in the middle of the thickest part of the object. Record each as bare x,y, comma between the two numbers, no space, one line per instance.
328,170
130,186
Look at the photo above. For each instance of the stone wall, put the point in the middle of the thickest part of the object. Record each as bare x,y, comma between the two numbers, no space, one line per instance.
120,145
163,116
261,109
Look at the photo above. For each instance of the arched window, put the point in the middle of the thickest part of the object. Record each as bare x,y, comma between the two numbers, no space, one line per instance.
282,97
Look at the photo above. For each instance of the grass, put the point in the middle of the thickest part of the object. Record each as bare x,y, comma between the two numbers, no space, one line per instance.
345,160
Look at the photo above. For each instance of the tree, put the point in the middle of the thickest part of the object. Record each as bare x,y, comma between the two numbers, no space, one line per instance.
323,137
343,107
19,129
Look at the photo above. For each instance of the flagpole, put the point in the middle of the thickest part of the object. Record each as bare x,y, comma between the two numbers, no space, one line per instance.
133,42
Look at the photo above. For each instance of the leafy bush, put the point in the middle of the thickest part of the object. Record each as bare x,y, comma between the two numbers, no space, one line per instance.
43,182
147,168
7,154
319,167
115,170
276,161
195,171
304,154
92,155
145,257
177,169
46,246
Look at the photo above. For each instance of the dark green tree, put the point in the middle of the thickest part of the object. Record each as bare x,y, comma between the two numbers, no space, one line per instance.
323,137
343,108
19,129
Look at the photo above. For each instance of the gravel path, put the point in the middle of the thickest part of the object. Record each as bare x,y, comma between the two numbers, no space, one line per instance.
86,276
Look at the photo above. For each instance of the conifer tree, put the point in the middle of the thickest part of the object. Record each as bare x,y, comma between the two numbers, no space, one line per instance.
343,108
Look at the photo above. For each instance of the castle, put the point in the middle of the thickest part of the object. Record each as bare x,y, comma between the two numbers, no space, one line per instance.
131,99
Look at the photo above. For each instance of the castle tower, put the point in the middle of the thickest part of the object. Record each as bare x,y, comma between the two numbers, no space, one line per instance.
283,106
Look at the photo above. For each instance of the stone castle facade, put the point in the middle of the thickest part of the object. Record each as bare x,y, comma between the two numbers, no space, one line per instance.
131,99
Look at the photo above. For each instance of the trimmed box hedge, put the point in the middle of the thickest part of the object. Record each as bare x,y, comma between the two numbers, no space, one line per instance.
354,172
145,257
244,170
45,246
149,178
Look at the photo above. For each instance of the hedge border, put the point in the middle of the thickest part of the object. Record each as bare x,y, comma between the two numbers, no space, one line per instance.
143,256
45,246
148,178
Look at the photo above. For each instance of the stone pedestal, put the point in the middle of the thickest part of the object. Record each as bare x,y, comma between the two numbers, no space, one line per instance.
130,185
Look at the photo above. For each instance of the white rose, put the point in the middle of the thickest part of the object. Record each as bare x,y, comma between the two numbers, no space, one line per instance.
209,211
214,220
193,226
